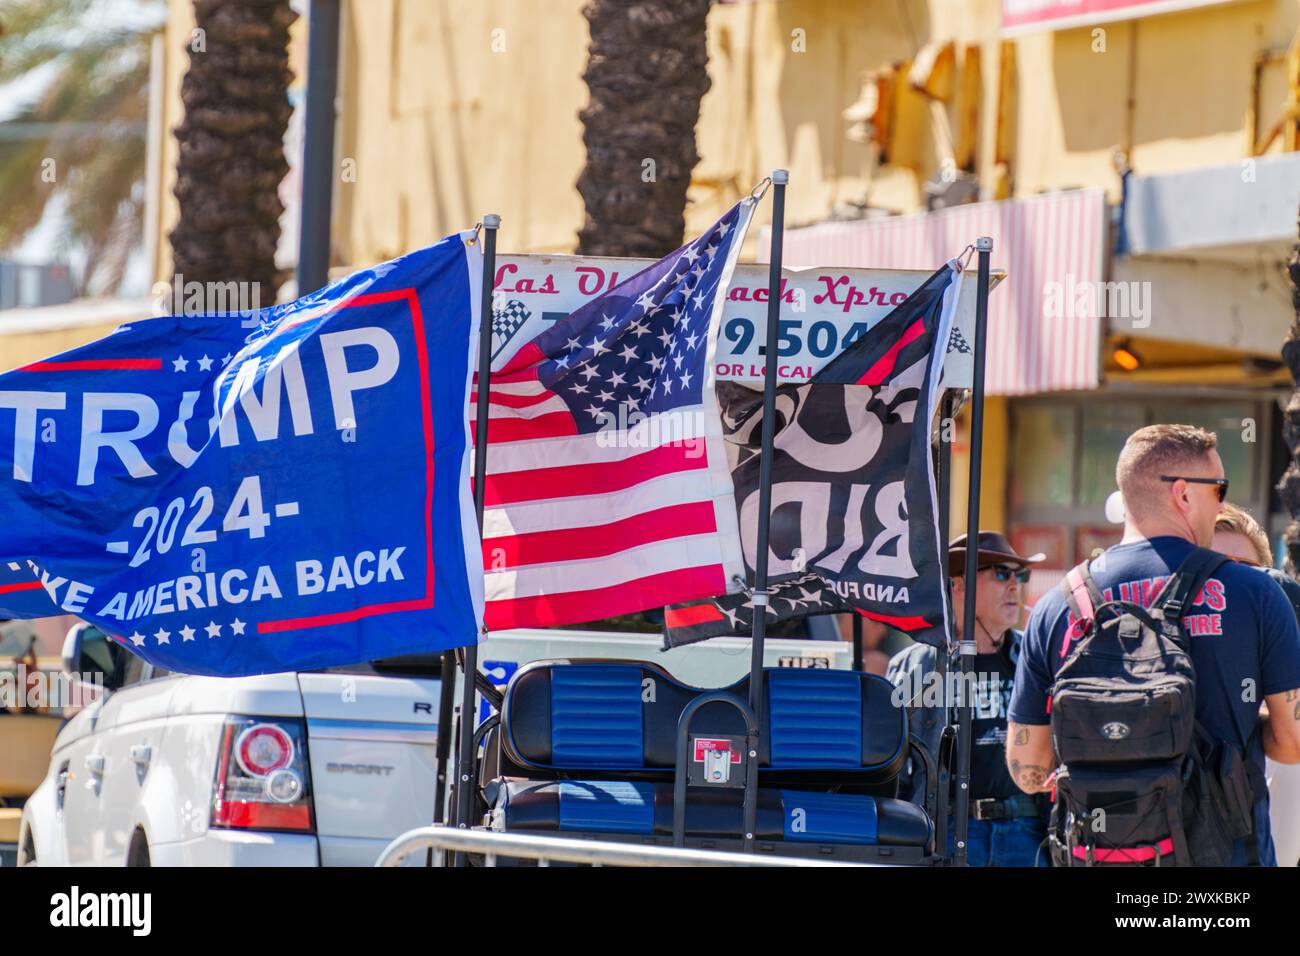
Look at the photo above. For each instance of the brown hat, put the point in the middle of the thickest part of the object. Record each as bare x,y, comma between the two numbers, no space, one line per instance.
994,548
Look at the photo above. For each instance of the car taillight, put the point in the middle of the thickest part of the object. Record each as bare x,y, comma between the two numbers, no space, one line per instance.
262,749
262,778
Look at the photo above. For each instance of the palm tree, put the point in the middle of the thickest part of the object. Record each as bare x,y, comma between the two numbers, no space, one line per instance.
231,140
78,142
646,74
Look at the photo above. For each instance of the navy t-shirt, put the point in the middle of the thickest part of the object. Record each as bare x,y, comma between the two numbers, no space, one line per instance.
1242,634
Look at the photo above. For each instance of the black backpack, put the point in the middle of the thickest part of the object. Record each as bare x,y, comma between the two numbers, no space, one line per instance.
1140,782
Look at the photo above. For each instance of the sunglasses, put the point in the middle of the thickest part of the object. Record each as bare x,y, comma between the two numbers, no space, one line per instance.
1005,572
1221,482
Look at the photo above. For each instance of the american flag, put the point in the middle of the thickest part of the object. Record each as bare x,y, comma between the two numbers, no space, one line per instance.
608,487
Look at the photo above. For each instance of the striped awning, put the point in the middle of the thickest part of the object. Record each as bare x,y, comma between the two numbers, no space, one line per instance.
1052,247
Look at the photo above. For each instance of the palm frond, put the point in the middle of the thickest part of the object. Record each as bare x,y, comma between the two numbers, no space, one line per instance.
81,134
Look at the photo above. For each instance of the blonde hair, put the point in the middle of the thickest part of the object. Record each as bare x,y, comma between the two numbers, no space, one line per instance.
1154,451
1234,520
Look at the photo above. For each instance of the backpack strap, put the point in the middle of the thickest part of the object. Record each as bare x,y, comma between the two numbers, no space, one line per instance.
1181,588
1258,793
1083,598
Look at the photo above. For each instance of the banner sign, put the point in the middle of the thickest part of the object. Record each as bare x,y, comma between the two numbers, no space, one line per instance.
853,494
1024,16
283,489
823,311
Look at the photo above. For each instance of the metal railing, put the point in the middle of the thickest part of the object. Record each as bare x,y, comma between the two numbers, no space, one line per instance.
544,849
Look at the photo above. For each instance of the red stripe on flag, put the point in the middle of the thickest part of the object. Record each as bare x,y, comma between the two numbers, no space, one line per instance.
24,586
553,425
96,365
657,590
509,400
344,617
690,616
575,544
527,356
878,373
591,479
912,623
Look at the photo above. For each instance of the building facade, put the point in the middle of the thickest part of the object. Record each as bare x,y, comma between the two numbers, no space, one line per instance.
1134,161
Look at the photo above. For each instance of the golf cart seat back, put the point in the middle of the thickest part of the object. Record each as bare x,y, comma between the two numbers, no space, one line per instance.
619,719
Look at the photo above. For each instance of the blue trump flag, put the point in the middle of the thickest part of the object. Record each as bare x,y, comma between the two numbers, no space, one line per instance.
283,489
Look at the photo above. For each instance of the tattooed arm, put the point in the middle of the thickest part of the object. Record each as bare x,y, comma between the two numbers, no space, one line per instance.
1029,756
1281,726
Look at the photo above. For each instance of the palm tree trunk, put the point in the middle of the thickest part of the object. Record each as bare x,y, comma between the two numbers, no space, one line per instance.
646,73
232,144
1289,487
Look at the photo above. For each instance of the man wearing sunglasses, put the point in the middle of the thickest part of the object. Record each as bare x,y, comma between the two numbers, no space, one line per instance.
1006,826
1240,629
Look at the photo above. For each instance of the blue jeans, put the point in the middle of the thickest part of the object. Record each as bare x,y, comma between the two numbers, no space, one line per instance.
1004,842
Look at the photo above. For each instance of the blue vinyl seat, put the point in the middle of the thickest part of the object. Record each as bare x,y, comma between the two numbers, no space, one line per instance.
589,747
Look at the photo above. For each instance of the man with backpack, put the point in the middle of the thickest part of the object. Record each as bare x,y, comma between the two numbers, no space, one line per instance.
1138,689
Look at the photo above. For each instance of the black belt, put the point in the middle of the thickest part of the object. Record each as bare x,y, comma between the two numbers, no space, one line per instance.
1021,805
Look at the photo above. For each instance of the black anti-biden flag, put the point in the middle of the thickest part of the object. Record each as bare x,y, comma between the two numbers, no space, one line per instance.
854,509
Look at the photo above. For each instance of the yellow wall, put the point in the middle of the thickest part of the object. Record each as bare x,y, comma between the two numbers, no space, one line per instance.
1190,79
22,348
453,110
993,469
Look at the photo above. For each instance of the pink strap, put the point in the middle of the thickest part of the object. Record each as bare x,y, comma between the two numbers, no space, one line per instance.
1084,601
1121,854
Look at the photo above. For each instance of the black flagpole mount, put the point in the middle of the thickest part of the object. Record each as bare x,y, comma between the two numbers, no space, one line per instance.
967,646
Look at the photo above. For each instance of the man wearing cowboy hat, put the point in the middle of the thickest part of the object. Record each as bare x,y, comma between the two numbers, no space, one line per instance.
1006,825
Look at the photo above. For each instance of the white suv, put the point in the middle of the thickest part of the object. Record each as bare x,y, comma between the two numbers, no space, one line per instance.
295,769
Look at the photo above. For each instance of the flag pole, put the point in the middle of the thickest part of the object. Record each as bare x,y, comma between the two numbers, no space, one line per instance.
446,698
465,762
318,145
940,786
984,246
780,178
